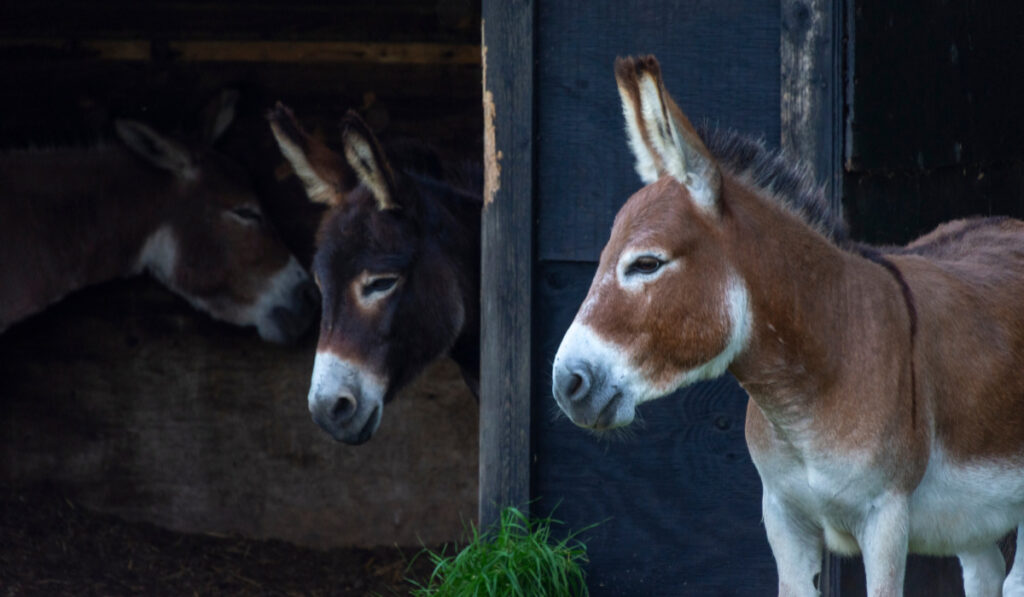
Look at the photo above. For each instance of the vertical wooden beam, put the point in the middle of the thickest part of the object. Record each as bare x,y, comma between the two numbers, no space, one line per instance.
812,94
507,256
812,87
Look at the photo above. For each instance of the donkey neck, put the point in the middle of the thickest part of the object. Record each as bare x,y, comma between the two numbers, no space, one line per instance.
74,217
456,226
831,328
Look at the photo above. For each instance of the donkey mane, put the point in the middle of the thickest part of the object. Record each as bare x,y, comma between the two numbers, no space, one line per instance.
788,182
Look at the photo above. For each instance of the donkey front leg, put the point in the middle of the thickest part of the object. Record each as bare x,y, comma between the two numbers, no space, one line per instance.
883,543
1013,586
796,545
984,570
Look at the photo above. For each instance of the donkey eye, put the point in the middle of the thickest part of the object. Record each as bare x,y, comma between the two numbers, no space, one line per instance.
249,214
644,265
382,284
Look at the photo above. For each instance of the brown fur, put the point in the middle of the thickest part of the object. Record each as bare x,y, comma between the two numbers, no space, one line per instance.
78,216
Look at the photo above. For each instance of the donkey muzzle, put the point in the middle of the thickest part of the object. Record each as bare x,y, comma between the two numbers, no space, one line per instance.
345,401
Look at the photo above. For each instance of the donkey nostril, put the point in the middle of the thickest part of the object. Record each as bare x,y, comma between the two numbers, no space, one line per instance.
575,383
572,381
343,409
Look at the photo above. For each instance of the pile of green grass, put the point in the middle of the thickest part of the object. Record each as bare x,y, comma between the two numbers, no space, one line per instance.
516,557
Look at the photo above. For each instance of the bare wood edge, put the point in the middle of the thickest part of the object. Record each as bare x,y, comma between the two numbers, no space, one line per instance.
267,51
492,157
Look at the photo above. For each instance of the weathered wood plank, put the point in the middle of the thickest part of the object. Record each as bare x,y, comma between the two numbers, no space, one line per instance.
507,256
261,51
812,88
441,21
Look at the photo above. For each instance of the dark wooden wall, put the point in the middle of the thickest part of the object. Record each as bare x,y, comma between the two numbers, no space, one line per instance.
934,121
933,130
124,398
677,499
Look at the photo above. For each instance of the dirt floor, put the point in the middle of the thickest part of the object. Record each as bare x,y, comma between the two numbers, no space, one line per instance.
50,546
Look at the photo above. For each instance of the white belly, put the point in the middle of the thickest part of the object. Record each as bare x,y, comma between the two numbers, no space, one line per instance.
959,505
954,507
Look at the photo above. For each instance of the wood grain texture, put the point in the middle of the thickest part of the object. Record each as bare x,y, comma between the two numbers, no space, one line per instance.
439,21
721,64
811,87
265,51
130,402
507,258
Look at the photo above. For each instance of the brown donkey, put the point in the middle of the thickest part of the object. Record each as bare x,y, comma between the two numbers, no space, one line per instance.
71,217
886,410
397,263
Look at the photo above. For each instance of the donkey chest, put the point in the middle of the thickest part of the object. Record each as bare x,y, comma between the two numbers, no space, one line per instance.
831,491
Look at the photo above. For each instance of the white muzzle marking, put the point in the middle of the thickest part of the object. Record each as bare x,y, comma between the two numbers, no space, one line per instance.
335,378
616,385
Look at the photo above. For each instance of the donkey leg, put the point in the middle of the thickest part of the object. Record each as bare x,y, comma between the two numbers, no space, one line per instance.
883,542
984,569
1014,584
797,548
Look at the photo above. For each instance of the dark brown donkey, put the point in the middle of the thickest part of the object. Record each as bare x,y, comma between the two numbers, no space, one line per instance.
71,217
886,410
397,262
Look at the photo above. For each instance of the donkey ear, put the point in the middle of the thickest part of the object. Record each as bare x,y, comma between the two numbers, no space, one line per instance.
660,135
365,156
324,173
218,115
158,150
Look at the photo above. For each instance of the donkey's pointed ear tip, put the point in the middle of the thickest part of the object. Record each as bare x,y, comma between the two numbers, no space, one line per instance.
351,117
648,63
278,112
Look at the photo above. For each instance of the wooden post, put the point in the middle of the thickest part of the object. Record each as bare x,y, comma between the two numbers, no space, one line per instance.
507,256
811,113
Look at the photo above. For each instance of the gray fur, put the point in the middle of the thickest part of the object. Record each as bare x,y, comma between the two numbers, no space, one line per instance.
787,181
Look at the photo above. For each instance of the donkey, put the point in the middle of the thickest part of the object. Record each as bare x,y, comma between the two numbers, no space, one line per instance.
397,264
886,410
72,217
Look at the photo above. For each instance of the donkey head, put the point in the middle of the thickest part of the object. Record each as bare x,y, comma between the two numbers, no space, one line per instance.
665,308
391,299
213,245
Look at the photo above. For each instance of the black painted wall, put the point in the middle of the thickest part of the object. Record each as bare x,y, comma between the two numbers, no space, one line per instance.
677,496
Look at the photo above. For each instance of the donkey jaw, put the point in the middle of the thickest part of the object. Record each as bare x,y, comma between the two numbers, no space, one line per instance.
286,307
345,400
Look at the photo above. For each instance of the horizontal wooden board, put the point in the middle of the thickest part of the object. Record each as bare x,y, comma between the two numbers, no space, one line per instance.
259,51
439,21
721,63
896,207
